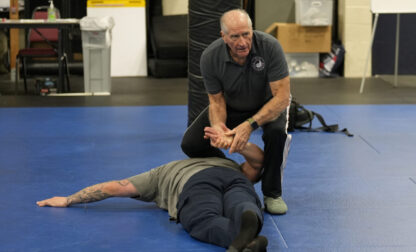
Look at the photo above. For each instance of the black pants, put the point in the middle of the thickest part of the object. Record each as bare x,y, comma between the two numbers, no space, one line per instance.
212,202
274,138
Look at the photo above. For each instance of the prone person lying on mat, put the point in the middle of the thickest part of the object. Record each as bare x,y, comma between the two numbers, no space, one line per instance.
212,198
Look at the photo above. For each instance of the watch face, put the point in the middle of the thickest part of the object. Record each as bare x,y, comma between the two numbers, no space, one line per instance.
254,124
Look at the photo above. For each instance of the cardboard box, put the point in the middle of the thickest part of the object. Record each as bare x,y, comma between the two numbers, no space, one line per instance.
301,39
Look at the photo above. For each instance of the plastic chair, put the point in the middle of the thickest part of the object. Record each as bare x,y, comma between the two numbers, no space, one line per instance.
42,43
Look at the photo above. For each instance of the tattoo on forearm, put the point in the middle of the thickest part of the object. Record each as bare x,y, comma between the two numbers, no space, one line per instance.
89,194
124,182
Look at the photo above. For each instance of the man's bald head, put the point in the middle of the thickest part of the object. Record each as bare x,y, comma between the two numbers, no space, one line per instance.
236,17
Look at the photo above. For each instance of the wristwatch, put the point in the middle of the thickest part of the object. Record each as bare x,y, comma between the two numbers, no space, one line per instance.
253,123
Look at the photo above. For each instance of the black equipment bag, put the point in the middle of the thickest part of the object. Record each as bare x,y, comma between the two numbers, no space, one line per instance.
330,64
299,116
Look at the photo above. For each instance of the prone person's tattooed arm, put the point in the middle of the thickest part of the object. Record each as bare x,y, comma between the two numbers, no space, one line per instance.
89,194
119,188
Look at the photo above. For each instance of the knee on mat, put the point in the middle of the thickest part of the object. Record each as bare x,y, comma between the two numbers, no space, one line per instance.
189,148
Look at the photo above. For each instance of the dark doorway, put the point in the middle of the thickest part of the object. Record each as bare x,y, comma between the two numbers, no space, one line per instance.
383,53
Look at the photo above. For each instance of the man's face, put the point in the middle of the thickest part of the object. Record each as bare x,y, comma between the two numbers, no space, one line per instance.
239,39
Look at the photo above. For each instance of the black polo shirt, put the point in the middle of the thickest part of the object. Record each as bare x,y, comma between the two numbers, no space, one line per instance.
246,88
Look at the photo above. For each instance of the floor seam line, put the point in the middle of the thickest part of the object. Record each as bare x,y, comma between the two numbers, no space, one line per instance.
278,231
368,143
411,179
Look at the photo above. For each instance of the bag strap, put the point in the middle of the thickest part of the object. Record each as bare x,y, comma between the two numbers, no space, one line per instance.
327,128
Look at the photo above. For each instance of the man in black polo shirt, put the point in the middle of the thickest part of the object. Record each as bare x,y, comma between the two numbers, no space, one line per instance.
247,80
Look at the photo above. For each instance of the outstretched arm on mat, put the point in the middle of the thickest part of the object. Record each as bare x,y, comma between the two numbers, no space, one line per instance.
119,188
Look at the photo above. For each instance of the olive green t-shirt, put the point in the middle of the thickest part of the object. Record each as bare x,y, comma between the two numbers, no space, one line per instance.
164,184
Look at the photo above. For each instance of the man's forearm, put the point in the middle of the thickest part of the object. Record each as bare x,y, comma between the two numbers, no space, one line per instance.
271,110
217,114
89,194
217,109
275,106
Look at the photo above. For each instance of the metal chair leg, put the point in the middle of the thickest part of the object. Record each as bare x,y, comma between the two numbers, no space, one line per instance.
24,73
67,72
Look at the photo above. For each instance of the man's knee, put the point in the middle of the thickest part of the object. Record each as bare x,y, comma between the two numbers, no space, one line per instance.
192,148
186,145
187,149
193,142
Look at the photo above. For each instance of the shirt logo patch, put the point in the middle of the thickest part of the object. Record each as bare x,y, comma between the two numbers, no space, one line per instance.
257,63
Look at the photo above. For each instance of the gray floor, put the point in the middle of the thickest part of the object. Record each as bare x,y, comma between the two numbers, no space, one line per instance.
136,91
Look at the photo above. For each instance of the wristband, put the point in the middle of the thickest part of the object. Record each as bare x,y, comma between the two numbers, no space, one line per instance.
253,123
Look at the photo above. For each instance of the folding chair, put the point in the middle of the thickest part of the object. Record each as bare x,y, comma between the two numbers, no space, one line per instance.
42,43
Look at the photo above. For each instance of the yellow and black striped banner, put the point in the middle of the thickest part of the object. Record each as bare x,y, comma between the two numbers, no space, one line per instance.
115,3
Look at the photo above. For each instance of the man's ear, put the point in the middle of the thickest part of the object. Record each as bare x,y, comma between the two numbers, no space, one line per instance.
222,35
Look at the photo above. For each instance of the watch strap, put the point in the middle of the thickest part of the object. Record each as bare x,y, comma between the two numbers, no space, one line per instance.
253,123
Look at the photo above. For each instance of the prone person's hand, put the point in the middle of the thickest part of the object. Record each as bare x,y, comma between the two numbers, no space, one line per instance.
53,202
217,136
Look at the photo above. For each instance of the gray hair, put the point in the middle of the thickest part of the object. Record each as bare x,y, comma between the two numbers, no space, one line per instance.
224,28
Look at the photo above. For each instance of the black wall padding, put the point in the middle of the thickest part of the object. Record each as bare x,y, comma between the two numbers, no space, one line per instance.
204,27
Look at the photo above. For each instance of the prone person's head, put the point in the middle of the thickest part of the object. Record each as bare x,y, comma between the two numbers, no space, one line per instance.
250,172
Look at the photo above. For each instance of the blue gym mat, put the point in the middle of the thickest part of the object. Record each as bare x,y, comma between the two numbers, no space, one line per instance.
343,193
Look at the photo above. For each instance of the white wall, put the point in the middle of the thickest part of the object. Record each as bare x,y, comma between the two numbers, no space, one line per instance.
355,26
128,46
4,3
175,7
